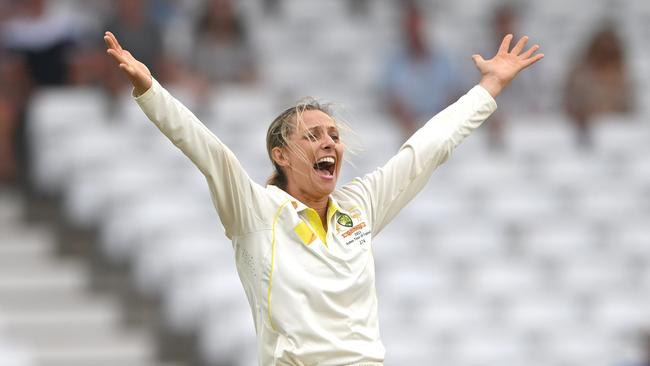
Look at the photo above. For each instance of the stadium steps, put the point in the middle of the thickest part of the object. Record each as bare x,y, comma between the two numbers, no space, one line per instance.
47,308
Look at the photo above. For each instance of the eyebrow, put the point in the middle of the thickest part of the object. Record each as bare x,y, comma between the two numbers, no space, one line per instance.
316,128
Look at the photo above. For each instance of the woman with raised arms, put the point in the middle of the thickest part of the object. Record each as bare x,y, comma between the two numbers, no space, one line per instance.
302,245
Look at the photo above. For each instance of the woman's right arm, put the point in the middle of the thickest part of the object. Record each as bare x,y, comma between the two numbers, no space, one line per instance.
236,197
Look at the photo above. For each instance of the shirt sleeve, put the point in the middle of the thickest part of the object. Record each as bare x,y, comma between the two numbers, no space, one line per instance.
388,189
237,199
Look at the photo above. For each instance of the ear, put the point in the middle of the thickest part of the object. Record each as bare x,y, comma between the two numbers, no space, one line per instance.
279,156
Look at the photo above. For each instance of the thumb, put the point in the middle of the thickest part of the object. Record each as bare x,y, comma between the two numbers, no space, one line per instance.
478,60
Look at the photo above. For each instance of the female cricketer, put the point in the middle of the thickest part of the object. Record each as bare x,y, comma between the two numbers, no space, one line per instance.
303,247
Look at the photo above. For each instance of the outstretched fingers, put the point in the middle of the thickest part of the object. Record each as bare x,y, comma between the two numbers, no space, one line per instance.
505,44
129,69
111,41
530,52
531,60
516,50
530,57
119,57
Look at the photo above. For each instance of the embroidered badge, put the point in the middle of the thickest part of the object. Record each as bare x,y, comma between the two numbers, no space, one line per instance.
344,220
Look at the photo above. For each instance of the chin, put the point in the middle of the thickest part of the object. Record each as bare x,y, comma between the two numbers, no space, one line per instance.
323,188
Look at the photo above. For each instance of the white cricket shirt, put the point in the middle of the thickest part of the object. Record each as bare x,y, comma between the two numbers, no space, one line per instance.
312,293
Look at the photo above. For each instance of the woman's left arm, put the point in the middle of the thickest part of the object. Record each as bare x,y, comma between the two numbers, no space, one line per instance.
388,189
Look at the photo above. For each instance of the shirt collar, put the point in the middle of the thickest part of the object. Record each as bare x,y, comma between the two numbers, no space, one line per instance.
332,205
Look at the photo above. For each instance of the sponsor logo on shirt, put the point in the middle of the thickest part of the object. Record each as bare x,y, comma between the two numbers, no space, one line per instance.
352,228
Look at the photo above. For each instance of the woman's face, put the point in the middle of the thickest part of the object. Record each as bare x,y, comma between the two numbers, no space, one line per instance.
313,164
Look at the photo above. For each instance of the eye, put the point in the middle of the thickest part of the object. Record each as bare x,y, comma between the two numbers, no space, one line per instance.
335,137
310,137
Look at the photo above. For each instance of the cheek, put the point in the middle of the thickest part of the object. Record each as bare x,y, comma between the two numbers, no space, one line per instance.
302,156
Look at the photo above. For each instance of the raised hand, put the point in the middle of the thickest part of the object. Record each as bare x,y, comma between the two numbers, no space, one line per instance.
506,64
138,74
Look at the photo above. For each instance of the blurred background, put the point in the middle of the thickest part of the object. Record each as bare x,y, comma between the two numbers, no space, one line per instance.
531,247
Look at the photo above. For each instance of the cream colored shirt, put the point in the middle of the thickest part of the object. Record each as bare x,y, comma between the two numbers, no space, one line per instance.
312,293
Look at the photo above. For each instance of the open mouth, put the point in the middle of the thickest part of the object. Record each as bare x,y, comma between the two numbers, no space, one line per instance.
325,166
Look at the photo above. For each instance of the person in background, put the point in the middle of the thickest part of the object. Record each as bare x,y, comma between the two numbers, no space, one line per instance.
138,31
644,345
419,80
646,350
223,53
35,47
42,39
13,92
598,83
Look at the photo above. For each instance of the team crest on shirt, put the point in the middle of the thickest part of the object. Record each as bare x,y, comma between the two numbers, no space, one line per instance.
344,220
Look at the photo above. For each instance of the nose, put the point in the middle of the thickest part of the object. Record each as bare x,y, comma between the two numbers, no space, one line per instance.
328,142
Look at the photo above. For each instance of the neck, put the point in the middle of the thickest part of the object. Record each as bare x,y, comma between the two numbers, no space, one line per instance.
319,204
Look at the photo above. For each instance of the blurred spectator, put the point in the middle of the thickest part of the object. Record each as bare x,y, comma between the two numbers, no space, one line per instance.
14,89
41,39
35,48
419,80
359,7
140,34
598,83
271,7
222,52
645,351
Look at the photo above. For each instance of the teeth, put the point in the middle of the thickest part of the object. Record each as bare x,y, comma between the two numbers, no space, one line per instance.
327,159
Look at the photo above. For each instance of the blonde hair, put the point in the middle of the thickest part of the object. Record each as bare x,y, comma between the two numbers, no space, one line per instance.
283,126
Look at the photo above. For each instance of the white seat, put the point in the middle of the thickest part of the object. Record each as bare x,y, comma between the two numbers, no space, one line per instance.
177,251
558,238
14,355
438,206
619,314
631,236
94,185
123,230
58,116
637,169
542,311
242,108
540,135
505,279
376,139
609,200
310,10
448,313
406,345
459,240
228,336
621,134
518,202
578,345
415,284
496,346
481,169
587,275
574,170
190,300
